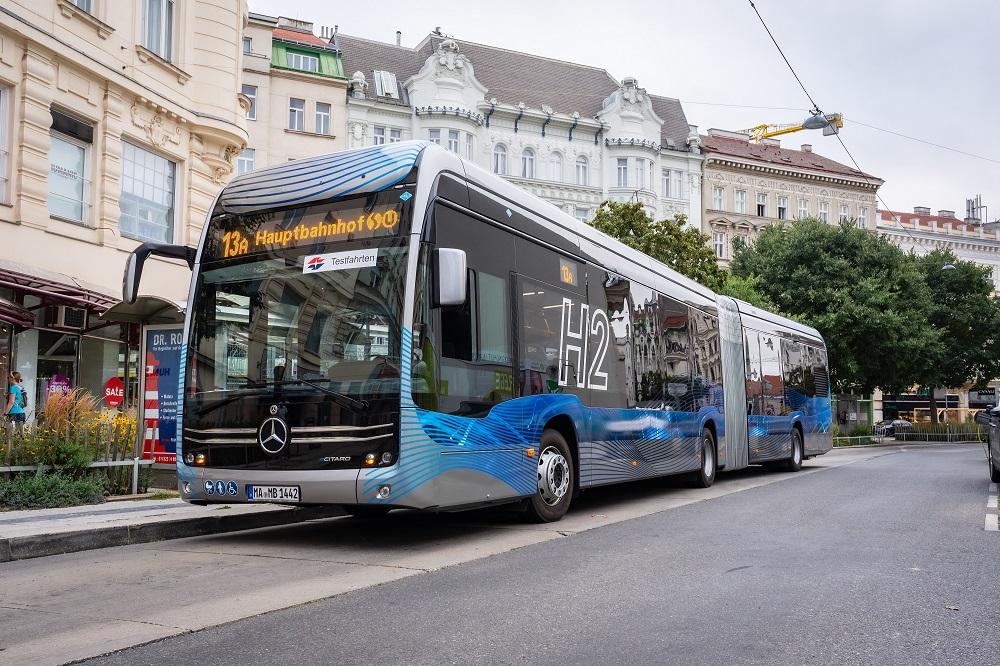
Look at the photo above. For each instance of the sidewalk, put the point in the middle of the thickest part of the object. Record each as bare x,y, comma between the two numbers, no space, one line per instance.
42,532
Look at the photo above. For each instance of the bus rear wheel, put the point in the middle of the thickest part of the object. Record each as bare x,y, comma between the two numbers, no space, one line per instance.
705,476
555,480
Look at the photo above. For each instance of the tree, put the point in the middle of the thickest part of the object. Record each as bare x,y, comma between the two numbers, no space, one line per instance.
966,314
868,299
746,289
684,249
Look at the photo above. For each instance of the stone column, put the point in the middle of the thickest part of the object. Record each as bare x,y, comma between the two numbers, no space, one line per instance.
31,182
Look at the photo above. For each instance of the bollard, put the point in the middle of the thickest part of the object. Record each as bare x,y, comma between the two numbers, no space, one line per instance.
135,476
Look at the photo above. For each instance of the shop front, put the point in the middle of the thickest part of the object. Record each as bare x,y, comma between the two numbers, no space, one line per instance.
52,333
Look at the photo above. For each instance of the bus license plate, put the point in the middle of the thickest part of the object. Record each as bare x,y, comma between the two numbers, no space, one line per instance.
272,493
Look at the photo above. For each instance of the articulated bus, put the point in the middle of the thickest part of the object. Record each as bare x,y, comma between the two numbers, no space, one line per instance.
395,327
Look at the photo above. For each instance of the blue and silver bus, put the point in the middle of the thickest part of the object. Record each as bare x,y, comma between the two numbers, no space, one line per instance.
396,327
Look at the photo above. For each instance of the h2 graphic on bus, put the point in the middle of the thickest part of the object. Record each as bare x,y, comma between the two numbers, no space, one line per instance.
575,342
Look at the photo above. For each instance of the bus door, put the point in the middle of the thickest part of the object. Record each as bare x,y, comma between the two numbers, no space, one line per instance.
768,422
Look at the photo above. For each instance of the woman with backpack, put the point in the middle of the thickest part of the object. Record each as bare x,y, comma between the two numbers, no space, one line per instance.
16,402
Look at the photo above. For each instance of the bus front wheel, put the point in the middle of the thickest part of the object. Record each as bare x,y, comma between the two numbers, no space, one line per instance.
555,480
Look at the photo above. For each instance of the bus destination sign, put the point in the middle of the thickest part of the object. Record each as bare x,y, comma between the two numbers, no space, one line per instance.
268,231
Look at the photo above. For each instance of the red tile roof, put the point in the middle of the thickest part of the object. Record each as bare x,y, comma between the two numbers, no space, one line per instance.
295,36
926,220
764,152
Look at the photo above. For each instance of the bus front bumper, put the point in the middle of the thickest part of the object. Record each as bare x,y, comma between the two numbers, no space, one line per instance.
338,486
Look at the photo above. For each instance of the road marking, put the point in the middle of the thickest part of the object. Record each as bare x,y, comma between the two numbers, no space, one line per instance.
992,521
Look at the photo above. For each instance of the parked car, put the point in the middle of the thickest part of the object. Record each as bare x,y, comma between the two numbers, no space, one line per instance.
888,427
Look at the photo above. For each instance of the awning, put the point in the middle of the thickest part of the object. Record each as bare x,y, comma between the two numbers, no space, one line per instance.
146,310
53,286
12,313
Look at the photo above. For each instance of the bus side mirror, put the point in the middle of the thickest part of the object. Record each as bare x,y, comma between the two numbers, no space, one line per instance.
452,277
136,260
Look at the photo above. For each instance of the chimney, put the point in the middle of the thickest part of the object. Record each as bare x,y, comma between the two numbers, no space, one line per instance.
807,148
922,210
946,213
399,38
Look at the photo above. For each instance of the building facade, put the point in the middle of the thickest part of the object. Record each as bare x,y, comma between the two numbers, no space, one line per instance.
922,232
295,85
119,122
747,187
568,133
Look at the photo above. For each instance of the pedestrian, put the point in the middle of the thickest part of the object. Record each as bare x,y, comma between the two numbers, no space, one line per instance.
16,402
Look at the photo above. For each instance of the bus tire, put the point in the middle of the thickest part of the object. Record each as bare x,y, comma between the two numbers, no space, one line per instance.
994,471
794,461
367,511
705,476
555,480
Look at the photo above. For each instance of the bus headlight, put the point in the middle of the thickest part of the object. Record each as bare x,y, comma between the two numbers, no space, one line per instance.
199,459
370,459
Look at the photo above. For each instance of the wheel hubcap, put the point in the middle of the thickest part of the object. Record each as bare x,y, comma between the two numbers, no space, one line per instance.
708,457
553,476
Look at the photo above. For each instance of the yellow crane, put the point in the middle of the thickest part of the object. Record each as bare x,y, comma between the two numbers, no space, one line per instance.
830,123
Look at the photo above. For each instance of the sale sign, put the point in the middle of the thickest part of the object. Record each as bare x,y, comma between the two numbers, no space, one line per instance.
114,392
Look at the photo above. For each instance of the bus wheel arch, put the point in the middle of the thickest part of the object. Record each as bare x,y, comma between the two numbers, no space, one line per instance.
556,460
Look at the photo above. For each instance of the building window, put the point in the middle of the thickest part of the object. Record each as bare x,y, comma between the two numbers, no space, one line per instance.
158,27
247,45
528,163
385,84
296,114
761,205
719,241
824,211
640,173
622,172
322,118
4,161
470,146
582,169
147,199
302,61
251,92
803,208
582,214
500,159
718,198
845,212
395,135
665,182
741,202
378,136
244,162
434,136
675,184
453,141
556,167
863,217
85,5
68,157
782,208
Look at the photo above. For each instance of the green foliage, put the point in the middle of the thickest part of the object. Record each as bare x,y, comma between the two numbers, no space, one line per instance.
672,242
46,491
69,456
967,315
868,299
747,288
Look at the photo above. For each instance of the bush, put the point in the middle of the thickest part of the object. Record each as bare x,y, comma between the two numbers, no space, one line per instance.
47,491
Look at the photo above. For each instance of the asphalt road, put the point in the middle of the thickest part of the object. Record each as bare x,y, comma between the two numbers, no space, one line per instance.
881,561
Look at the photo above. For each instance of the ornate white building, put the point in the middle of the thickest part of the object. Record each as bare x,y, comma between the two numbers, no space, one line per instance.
923,232
750,186
568,133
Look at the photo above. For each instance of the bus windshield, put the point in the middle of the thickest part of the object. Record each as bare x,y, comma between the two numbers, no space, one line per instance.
316,315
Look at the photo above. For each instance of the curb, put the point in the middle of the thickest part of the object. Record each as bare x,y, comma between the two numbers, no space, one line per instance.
43,545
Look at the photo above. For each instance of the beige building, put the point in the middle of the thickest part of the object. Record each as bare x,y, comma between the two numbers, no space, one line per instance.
747,186
295,83
119,122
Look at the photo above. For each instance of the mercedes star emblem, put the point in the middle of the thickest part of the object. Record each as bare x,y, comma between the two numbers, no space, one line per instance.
273,435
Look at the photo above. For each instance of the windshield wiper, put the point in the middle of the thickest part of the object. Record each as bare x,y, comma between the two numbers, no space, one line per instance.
340,398
258,388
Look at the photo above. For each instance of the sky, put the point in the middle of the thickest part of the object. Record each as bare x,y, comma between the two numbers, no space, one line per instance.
928,70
